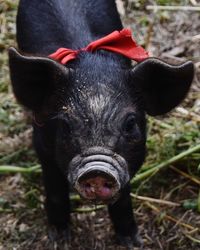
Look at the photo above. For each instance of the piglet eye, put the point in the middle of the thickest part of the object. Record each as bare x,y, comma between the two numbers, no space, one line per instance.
129,125
130,129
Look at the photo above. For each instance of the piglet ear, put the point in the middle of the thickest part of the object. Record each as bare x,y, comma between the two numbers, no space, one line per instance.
161,85
34,78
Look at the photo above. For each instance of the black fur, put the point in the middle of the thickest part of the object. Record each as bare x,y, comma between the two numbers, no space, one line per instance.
44,26
86,103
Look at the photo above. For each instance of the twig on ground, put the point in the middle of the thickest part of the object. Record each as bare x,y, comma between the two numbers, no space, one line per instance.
88,209
168,217
173,8
197,181
178,187
180,220
196,37
175,58
197,65
75,197
5,210
193,2
192,238
164,202
149,35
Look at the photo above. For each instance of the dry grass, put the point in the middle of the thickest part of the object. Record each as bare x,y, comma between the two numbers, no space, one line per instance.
167,203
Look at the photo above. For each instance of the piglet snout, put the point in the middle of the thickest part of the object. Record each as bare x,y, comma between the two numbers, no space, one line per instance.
98,188
97,185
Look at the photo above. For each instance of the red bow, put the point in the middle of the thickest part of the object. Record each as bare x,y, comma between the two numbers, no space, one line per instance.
118,41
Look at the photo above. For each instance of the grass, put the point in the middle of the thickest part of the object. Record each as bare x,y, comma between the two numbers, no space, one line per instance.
173,149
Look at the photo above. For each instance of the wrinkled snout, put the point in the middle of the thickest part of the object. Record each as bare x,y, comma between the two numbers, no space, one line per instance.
98,174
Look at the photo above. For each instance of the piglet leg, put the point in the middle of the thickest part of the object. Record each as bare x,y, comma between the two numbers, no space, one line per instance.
57,204
121,213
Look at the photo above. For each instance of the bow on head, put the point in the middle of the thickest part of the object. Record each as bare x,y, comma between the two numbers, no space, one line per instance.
120,42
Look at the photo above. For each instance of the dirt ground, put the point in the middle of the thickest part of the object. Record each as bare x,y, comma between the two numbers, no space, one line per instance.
170,35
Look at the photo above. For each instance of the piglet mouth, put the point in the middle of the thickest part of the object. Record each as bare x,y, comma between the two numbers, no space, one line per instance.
98,174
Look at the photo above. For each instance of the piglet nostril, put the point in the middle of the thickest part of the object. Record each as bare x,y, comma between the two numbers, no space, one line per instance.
108,185
87,185
97,186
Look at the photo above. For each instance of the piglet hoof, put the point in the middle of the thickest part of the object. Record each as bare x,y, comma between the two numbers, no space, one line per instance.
59,238
130,241
137,241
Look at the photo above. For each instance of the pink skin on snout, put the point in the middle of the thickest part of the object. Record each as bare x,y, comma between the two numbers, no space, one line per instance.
97,188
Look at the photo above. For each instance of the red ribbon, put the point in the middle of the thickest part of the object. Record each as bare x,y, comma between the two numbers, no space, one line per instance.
118,41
